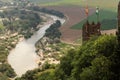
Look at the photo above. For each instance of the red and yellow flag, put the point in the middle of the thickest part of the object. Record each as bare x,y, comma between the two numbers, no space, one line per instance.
86,10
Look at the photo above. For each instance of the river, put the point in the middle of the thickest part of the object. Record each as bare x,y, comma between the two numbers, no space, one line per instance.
23,57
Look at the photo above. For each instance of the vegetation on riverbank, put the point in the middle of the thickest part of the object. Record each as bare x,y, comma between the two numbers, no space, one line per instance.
21,21
97,59
50,48
51,36
45,10
15,23
6,72
7,43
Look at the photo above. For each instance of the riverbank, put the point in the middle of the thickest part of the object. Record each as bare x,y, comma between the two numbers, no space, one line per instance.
7,43
24,57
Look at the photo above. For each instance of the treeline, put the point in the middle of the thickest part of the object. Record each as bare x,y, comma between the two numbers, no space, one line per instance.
6,45
97,59
2,3
53,31
14,20
45,10
6,72
52,36
22,21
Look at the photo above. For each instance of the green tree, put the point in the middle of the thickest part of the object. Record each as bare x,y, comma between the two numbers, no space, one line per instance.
99,70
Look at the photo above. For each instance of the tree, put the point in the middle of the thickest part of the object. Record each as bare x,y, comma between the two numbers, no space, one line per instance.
99,70
95,60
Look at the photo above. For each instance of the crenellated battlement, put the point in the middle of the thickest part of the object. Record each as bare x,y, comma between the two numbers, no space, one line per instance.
90,29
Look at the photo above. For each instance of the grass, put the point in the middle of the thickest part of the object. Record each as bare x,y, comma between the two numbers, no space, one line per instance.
62,46
107,18
1,26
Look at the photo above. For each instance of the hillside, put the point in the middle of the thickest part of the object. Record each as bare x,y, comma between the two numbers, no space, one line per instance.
14,24
60,57
97,59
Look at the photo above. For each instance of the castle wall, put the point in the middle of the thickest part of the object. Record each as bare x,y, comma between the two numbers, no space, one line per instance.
90,30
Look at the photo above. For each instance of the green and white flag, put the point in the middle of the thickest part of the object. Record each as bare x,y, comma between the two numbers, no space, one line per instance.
97,10
97,13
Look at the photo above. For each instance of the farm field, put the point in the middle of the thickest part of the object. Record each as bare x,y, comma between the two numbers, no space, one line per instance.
74,14
93,3
107,18
104,4
107,14
59,39
74,11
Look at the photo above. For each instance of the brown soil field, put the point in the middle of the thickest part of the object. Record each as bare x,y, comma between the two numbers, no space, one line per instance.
74,14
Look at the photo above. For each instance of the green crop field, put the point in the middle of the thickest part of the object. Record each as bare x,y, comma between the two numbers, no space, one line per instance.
107,18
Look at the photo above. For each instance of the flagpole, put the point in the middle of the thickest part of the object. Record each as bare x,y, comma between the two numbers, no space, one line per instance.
87,9
98,18
87,12
87,16
97,13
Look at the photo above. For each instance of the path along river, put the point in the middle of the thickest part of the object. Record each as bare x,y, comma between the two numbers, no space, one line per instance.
23,57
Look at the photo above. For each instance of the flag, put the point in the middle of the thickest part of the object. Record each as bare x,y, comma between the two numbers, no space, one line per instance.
97,13
86,10
97,10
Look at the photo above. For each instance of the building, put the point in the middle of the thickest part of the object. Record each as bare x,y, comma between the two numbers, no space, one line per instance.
90,29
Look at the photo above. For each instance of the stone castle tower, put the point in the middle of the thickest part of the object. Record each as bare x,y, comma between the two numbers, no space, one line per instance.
118,27
89,30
